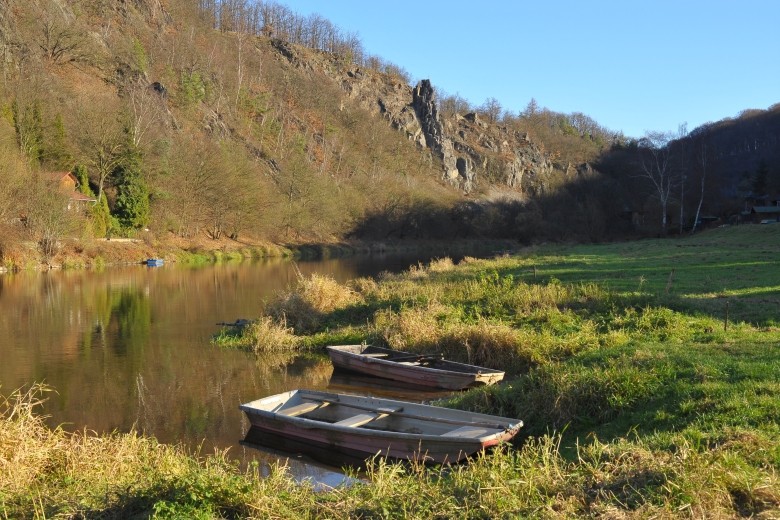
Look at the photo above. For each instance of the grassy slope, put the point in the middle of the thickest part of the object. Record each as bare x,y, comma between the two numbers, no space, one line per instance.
638,401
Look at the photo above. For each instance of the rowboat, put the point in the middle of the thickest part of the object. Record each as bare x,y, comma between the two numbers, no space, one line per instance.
424,370
154,262
365,427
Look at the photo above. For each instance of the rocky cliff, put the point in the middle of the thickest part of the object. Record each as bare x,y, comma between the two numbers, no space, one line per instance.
474,153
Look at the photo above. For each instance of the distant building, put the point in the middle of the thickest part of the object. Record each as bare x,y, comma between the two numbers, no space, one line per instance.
67,183
765,214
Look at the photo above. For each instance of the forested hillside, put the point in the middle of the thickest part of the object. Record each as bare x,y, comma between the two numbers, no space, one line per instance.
239,118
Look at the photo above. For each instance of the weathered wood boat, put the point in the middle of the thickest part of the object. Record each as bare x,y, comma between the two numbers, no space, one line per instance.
423,370
368,426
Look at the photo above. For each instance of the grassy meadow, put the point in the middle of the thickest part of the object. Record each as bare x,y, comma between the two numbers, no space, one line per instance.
647,375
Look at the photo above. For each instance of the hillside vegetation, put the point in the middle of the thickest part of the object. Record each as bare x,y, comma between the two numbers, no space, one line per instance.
239,121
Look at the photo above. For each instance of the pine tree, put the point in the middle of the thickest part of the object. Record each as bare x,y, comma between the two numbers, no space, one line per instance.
131,207
80,172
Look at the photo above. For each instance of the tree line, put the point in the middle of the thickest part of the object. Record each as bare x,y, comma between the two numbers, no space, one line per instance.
275,20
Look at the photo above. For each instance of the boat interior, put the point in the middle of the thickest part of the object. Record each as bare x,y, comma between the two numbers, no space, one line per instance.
396,418
430,360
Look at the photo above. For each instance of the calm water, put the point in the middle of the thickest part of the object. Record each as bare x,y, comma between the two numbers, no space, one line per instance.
130,347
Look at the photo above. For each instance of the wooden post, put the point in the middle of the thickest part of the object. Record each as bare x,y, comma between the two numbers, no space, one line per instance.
726,318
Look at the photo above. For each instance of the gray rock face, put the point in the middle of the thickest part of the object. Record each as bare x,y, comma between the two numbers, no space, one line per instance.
424,104
472,150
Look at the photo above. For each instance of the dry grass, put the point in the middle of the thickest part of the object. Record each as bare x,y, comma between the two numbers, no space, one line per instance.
363,285
304,307
53,474
438,265
492,345
269,335
25,443
415,328
50,473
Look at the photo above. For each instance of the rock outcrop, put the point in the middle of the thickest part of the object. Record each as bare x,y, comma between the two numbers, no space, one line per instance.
473,152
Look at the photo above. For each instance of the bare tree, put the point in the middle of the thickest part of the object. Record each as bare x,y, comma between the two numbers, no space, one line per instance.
102,142
59,41
48,217
241,37
146,111
702,157
492,109
682,133
656,167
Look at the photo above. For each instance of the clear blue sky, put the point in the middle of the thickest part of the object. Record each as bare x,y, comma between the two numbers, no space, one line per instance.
632,65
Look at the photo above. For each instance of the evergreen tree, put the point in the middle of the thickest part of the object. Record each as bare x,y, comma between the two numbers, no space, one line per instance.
103,223
132,206
28,124
55,152
80,172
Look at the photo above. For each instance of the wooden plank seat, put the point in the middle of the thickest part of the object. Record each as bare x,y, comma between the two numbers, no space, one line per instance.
365,418
357,420
469,431
303,408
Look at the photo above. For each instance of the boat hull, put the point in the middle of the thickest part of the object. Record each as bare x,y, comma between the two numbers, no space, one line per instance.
436,374
409,434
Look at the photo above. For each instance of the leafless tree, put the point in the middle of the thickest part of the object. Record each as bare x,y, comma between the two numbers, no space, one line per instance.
48,216
492,109
59,41
146,111
682,134
702,158
101,141
656,167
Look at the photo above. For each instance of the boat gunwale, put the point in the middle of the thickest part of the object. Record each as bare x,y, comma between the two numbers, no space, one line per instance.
481,371
511,428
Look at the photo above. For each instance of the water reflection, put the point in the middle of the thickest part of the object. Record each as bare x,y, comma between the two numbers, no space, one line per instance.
129,348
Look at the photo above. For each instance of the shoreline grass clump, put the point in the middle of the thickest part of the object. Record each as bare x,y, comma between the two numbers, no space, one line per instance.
263,335
51,473
304,306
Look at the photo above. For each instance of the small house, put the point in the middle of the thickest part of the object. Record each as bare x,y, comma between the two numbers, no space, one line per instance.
67,183
765,214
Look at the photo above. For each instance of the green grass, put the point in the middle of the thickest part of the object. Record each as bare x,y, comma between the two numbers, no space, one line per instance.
639,398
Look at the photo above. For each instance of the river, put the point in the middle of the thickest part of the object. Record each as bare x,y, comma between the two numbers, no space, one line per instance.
130,348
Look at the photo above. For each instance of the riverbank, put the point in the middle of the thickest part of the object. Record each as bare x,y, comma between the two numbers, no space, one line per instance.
100,253
646,374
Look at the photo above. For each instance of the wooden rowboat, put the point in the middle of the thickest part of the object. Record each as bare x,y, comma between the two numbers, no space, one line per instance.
368,426
417,369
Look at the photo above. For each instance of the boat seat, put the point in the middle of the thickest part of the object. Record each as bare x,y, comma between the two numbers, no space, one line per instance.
300,409
364,418
470,431
375,355
358,420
